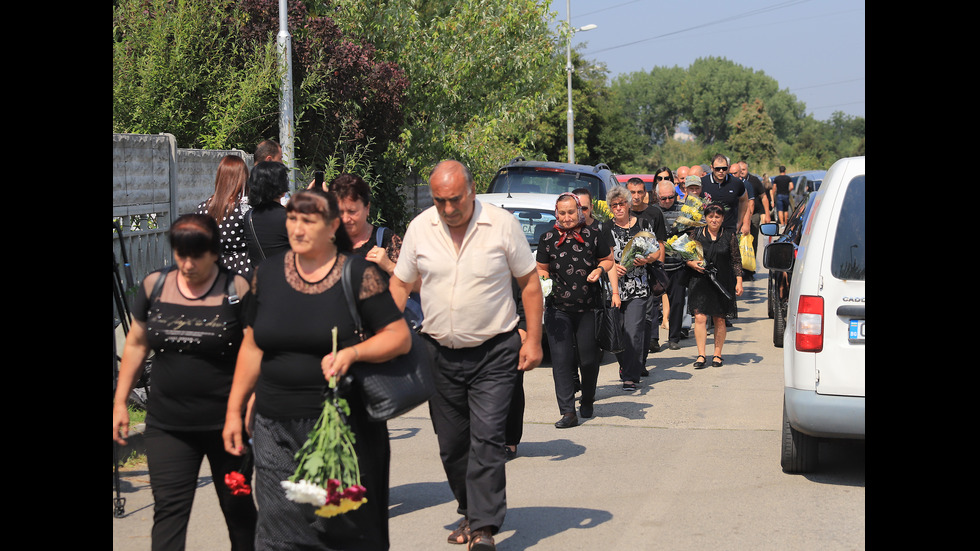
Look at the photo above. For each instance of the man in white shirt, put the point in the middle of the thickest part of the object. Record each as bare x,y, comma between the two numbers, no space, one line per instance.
466,252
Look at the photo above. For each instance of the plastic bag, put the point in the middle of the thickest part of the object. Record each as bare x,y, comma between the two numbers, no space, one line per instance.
747,251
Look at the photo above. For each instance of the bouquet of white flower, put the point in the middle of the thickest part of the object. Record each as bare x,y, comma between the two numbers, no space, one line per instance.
682,246
546,285
642,244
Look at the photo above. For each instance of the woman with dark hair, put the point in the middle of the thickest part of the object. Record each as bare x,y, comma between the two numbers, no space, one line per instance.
662,173
286,359
354,199
191,323
227,205
265,222
574,257
715,282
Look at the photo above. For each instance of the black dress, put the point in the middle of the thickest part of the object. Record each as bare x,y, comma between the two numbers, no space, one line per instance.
704,295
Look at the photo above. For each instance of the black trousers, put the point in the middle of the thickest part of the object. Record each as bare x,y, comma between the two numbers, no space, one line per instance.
676,296
568,333
474,387
515,415
174,461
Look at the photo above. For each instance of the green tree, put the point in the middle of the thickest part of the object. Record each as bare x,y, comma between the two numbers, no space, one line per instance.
479,70
714,89
178,67
752,137
652,101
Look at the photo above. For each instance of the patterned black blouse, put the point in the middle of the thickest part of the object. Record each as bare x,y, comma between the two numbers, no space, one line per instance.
569,264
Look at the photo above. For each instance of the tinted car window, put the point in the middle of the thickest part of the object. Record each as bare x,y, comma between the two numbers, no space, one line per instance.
847,261
534,223
518,180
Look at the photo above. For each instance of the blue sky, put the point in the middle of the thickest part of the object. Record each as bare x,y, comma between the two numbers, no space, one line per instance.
812,48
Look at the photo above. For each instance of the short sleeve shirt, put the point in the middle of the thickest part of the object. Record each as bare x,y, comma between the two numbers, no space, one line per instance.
467,297
728,193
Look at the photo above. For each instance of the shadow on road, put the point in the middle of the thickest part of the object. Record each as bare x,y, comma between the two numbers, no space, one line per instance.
527,526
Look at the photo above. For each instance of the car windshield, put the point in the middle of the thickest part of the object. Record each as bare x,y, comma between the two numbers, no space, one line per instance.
847,261
543,180
534,223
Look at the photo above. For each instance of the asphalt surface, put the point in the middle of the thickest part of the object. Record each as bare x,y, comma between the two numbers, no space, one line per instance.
688,461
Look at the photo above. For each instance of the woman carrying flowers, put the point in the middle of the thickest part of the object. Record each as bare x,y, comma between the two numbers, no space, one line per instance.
716,280
571,258
633,246
301,428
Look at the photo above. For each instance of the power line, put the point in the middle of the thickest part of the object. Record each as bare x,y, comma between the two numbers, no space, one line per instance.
701,26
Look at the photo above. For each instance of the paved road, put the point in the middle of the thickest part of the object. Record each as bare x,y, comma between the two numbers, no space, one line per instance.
689,461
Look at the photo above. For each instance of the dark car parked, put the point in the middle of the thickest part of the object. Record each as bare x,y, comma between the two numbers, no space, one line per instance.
804,183
522,176
779,280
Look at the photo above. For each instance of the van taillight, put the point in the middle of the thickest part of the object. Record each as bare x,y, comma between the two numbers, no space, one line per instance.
809,324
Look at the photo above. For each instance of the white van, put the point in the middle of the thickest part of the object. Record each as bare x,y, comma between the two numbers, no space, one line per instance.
823,356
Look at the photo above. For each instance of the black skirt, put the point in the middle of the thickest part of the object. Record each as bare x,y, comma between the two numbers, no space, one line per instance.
285,525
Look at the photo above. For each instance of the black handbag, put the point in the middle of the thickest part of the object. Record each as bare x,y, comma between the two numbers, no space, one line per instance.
610,331
659,280
394,387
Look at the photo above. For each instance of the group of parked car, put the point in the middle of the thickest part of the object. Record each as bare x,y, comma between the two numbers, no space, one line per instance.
816,294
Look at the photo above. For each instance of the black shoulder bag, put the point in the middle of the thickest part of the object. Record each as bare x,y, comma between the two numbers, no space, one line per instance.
394,387
657,277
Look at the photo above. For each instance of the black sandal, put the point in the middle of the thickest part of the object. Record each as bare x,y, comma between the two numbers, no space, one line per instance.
716,361
462,531
481,540
699,362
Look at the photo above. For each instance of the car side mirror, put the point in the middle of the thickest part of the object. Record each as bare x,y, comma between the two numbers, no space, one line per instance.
779,256
769,228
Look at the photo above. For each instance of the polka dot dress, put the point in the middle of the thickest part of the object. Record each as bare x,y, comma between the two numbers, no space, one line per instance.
234,245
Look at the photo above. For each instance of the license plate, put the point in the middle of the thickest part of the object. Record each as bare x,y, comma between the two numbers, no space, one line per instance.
855,332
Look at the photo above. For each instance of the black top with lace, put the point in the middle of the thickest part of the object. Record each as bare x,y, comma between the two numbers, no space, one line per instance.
292,321
195,344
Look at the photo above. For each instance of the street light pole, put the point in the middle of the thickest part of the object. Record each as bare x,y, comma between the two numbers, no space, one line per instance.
569,69
286,99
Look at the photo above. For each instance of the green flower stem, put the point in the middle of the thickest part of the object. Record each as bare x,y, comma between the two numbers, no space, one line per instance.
328,452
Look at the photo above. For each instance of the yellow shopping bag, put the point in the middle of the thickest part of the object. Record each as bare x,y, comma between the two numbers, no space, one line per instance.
747,251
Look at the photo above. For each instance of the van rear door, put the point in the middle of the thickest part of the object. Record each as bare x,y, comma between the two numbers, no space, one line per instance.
841,366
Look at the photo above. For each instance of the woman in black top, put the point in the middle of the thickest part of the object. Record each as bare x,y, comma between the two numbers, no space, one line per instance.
195,333
265,222
354,200
715,282
574,257
286,358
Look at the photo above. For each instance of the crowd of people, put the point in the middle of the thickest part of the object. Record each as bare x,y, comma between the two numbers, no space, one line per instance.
240,330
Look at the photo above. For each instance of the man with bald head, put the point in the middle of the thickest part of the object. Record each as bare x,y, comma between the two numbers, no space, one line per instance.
679,176
466,254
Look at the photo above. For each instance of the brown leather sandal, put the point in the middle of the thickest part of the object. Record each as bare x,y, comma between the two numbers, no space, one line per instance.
462,531
481,539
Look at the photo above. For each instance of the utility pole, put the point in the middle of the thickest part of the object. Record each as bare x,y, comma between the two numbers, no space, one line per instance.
283,40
